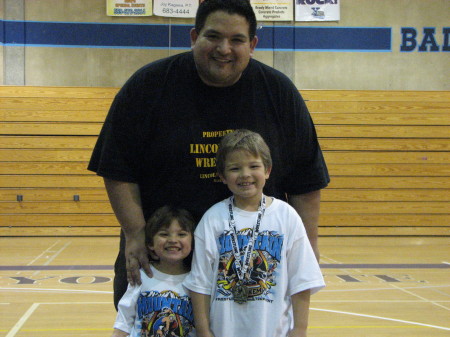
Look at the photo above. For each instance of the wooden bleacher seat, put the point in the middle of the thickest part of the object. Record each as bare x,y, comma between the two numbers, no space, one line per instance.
387,153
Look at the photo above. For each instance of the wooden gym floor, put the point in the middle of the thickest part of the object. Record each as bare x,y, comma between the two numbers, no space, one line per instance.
377,286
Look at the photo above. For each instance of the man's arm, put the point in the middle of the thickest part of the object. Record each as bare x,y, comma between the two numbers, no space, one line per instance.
125,200
308,207
300,306
201,306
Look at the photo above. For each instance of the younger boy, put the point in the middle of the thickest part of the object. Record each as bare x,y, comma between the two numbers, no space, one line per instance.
254,268
160,305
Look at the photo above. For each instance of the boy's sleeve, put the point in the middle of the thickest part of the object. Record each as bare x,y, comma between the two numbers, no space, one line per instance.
201,277
126,313
303,269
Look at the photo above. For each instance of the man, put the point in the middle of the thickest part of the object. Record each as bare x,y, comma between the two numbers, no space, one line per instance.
158,143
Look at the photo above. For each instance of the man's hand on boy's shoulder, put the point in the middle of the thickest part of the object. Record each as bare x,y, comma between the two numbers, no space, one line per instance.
136,257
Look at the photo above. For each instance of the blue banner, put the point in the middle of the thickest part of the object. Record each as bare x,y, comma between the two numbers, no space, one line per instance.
159,36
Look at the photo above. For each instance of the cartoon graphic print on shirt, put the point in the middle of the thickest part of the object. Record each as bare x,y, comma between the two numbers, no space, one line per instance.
164,314
261,274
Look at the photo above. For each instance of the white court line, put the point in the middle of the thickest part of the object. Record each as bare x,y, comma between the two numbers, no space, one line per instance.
383,318
57,253
372,301
22,320
420,297
66,303
324,257
40,255
48,250
381,289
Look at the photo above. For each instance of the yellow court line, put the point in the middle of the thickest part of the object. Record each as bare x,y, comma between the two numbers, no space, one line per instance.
74,329
367,327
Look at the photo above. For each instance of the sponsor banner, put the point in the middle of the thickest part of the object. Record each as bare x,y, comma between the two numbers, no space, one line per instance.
129,7
317,10
273,10
175,8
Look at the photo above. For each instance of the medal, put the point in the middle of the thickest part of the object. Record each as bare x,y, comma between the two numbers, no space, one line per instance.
240,290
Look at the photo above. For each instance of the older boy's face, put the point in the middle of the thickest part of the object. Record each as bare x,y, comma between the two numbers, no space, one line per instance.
245,175
222,49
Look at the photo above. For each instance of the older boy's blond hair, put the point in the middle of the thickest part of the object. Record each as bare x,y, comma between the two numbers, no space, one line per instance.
246,140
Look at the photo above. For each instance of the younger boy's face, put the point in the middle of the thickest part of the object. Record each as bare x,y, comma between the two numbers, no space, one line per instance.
245,175
171,244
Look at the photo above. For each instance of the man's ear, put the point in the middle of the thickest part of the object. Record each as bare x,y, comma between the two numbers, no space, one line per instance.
253,44
194,36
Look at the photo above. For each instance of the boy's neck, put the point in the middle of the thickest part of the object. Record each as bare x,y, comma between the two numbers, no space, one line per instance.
250,205
170,269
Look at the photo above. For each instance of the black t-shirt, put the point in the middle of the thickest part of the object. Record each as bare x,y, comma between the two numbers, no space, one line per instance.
164,125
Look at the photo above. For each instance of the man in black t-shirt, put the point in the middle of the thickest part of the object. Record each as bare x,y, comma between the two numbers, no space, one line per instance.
158,143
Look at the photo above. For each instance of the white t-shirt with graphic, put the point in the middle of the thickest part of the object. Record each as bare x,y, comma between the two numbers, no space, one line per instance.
282,264
158,307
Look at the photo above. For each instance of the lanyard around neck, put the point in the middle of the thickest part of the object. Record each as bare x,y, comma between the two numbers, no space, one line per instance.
241,269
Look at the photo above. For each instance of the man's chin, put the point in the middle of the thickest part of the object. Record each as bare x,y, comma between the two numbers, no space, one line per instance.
222,80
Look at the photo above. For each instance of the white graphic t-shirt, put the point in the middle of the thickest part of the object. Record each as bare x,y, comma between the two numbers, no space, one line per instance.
282,264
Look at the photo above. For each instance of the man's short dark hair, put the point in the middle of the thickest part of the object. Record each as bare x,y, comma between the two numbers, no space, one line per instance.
240,7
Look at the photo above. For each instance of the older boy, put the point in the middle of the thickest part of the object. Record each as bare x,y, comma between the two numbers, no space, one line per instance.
254,268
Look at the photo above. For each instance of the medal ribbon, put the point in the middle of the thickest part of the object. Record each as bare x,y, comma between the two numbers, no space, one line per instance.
242,269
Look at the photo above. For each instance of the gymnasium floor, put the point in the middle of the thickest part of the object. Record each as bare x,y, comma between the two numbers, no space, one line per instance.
379,286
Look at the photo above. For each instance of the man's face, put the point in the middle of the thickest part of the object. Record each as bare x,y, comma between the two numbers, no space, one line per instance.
223,48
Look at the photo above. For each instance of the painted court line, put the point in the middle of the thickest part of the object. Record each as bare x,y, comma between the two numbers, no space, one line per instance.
65,267
324,266
40,255
382,289
22,320
383,318
50,260
372,301
56,290
420,297
66,303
